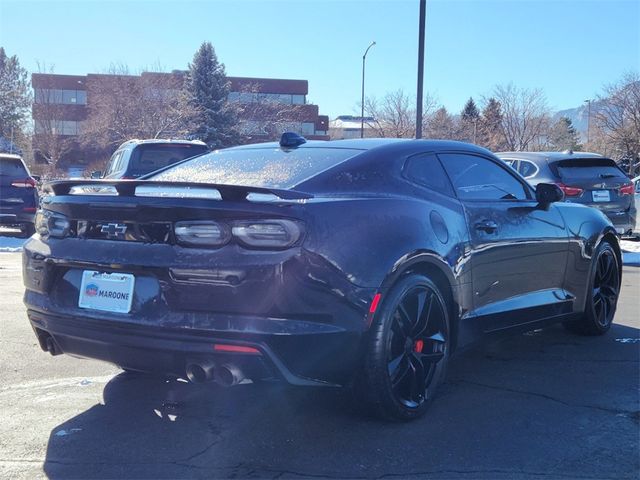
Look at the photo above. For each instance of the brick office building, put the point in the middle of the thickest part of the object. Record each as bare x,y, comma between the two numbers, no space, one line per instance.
67,99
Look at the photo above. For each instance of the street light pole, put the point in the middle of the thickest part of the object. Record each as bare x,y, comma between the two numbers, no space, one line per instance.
364,57
588,102
423,14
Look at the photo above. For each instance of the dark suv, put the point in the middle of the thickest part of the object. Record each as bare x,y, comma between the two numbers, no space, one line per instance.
18,194
586,178
136,158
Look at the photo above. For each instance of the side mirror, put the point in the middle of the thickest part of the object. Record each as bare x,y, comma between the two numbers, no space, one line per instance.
547,193
96,174
37,178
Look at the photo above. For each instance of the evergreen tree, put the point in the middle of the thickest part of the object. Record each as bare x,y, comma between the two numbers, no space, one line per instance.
470,111
15,96
208,87
469,118
563,135
491,135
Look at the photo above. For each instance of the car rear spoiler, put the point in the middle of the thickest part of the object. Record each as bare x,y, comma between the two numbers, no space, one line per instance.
130,188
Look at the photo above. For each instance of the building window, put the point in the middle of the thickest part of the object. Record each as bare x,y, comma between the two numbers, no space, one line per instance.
282,98
60,96
58,127
308,128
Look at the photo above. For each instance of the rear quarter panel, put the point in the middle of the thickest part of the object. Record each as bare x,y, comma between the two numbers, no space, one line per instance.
372,239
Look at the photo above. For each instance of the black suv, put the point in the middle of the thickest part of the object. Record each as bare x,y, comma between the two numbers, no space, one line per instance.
18,194
586,178
136,158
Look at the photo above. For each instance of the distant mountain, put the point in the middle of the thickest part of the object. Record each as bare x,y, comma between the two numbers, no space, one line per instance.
579,117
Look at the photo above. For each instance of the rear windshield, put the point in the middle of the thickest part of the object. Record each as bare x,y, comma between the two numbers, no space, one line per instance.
589,168
147,158
12,167
260,167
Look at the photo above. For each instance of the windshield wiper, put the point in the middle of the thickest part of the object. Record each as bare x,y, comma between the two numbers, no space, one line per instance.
607,175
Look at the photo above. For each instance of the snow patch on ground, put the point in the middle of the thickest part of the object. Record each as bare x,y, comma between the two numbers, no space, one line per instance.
630,252
11,244
630,246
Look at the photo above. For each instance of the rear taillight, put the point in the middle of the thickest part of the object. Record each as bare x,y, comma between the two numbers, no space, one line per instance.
569,191
275,233
267,233
202,233
50,224
25,183
627,189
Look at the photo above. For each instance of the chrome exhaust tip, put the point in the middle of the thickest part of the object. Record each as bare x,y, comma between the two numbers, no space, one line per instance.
200,372
228,375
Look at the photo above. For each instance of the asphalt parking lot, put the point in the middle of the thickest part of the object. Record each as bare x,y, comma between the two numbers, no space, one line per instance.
543,404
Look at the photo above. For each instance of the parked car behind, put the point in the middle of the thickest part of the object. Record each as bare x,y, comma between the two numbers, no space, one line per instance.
18,194
586,178
136,158
360,263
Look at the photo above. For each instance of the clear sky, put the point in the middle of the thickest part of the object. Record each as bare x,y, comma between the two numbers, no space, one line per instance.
568,48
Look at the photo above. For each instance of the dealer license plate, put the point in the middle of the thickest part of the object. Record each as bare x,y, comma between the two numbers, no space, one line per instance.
601,196
109,292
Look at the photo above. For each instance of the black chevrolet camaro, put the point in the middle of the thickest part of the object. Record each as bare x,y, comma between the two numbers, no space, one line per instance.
360,263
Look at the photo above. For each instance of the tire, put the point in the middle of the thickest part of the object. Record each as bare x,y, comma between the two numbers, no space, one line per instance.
603,292
27,229
407,351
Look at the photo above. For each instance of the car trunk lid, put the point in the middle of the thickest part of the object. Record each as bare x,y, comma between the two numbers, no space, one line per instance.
596,182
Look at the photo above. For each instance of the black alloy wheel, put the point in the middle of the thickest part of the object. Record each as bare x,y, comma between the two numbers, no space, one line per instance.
606,287
408,349
601,305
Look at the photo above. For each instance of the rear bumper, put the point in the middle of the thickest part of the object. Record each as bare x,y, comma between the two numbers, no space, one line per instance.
304,315
167,351
286,356
18,218
624,222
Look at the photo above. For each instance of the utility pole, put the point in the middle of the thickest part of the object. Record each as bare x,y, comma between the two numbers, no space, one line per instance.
588,102
364,57
423,14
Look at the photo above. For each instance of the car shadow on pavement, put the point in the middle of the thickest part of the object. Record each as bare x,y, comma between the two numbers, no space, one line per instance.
546,402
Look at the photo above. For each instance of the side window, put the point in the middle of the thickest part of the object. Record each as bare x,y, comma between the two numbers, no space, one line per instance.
527,169
478,178
121,162
425,169
113,162
512,163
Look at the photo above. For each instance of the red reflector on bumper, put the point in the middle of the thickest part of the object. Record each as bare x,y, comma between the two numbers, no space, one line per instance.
235,348
374,303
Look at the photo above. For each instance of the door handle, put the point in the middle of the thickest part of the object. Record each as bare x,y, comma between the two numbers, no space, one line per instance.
488,226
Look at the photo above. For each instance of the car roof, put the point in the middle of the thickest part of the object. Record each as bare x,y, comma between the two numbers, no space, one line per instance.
136,141
547,156
13,156
366,144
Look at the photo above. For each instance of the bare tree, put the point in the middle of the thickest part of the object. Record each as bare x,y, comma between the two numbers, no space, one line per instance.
51,138
525,116
261,117
123,106
617,119
442,126
395,115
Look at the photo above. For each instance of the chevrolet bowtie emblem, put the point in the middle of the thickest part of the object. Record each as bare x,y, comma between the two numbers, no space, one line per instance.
114,230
